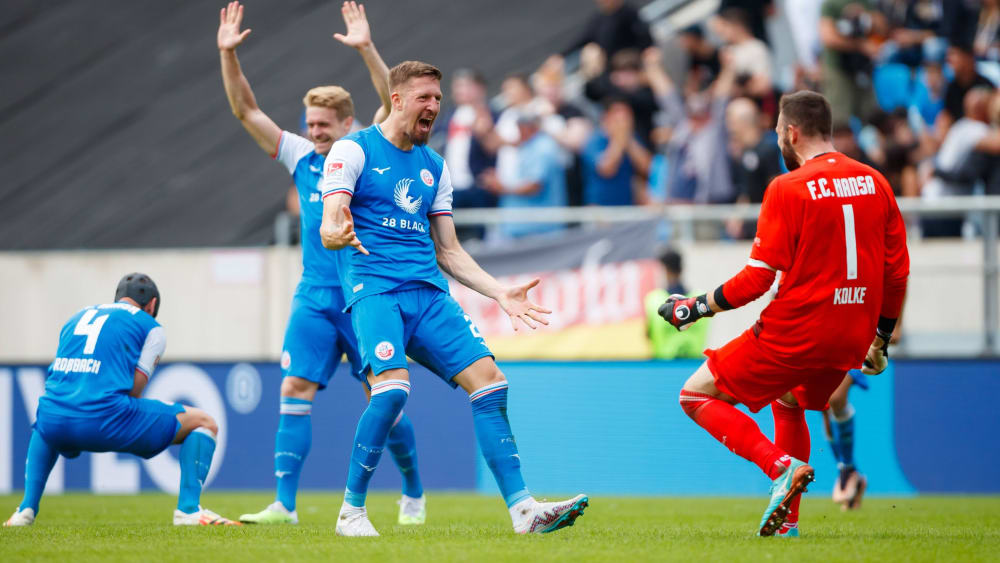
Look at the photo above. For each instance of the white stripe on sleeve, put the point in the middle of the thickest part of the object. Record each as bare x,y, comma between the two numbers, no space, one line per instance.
343,167
760,264
445,191
152,349
291,149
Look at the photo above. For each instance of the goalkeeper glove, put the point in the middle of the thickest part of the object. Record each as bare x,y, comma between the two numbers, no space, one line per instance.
878,354
682,311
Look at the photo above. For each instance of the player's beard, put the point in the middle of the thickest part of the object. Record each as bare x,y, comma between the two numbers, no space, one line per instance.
789,156
417,137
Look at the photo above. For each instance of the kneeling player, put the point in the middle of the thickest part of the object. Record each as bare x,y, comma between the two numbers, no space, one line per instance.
106,355
832,226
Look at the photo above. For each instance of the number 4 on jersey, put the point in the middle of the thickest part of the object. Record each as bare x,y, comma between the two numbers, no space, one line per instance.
84,327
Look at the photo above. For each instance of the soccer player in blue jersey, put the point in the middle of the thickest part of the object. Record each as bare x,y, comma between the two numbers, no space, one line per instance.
388,197
106,355
318,331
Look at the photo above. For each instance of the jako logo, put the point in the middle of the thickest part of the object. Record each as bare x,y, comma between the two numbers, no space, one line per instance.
384,350
403,199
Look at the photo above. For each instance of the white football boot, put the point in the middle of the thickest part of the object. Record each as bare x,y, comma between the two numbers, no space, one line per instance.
412,511
533,517
353,522
24,517
204,517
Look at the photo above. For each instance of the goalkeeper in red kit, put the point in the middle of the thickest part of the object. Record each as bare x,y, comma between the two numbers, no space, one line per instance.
831,226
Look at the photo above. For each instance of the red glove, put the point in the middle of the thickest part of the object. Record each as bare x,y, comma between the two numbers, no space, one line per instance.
682,311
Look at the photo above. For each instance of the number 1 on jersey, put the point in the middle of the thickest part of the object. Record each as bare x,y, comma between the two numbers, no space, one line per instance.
851,242
84,327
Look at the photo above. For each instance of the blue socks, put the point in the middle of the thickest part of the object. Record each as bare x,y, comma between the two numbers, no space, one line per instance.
403,446
388,399
842,441
489,415
41,458
195,461
291,446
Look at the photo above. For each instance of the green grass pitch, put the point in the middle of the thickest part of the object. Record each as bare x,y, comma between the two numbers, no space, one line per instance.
469,527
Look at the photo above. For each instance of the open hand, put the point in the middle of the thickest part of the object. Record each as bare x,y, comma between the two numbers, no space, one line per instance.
359,33
514,301
230,19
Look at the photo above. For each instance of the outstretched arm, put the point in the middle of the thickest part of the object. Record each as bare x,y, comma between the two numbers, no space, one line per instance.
238,92
359,36
337,229
457,263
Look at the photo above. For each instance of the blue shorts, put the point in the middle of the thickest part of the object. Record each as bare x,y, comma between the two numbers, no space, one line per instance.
859,378
423,323
144,427
318,334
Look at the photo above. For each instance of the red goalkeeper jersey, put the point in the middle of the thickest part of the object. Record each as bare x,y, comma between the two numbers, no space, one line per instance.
833,228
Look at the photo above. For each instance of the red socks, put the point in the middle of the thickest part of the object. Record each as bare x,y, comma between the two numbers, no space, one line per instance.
791,435
737,431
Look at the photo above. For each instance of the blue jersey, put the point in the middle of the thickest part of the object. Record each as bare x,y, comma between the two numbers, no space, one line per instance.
319,265
394,194
100,348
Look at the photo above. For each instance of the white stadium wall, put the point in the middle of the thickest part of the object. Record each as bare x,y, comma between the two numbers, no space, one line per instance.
232,304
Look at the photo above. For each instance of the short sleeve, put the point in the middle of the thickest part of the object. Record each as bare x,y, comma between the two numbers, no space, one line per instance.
343,167
152,350
776,235
442,201
291,149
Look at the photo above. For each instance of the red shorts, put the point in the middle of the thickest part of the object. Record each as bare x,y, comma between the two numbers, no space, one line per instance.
749,374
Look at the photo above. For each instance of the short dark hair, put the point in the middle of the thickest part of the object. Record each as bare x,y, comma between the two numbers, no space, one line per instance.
672,260
406,70
736,15
139,288
809,111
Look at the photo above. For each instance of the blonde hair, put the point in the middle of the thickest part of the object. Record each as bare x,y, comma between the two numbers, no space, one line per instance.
332,97
406,70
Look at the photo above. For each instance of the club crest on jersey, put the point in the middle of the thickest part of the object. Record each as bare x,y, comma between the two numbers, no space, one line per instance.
402,197
427,177
384,350
286,360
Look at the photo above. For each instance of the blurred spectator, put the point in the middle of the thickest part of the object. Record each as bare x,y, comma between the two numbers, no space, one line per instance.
967,156
503,138
963,66
913,24
625,80
756,14
540,181
612,157
928,93
616,26
750,58
703,58
697,161
564,122
754,160
803,22
846,143
986,45
463,151
846,30
667,343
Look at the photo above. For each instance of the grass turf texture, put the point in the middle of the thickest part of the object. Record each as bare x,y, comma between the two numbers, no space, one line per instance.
84,527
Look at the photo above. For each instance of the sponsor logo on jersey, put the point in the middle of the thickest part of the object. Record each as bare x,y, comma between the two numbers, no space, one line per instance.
335,170
426,177
401,195
381,170
384,350
286,360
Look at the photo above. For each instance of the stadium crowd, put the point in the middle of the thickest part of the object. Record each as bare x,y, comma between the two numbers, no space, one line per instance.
912,84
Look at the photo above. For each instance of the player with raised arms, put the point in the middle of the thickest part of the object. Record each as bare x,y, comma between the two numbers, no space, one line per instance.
832,227
388,197
318,332
106,355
